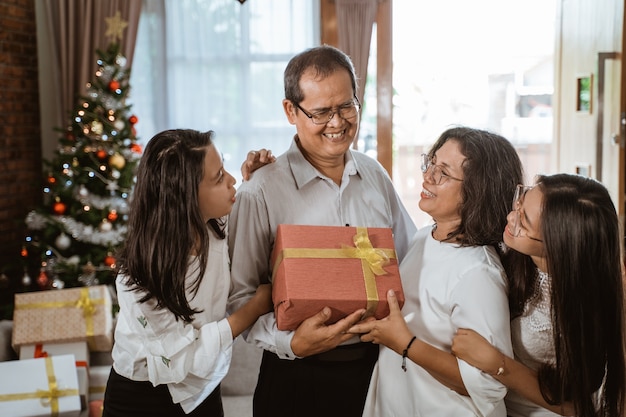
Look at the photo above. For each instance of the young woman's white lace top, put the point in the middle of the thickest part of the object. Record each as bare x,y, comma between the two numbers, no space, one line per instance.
531,334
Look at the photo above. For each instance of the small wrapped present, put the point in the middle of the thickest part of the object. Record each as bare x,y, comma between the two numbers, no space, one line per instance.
39,387
62,316
344,268
80,352
98,377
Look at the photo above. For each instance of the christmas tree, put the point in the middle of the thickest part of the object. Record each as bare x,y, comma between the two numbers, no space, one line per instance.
72,238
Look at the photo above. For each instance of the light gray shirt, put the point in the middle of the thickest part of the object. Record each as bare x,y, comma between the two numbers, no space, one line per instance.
292,191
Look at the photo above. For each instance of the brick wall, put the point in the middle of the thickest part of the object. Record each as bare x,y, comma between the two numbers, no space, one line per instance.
20,143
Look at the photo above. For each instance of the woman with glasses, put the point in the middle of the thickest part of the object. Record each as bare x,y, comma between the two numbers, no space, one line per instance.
566,300
452,278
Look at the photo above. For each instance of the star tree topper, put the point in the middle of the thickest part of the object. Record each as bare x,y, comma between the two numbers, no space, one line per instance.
115,26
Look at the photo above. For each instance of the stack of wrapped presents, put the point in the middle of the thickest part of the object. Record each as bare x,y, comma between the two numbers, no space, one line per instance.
63,339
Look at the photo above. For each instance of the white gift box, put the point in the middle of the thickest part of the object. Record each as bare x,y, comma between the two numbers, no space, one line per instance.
98,377
80,350
39,387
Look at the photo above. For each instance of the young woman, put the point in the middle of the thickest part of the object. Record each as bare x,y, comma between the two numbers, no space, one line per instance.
566,300
173,341
452,277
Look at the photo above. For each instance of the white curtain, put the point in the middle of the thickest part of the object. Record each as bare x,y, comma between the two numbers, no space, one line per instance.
218,65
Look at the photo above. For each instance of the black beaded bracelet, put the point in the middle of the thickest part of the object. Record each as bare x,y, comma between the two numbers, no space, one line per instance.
405,352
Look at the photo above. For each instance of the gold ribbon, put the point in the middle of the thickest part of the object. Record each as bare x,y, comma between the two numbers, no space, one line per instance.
84,302
372,261
49,397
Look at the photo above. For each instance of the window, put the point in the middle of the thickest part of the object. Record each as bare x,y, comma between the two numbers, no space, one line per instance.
218,65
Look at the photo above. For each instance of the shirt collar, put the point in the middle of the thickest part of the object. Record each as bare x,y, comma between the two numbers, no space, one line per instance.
302,170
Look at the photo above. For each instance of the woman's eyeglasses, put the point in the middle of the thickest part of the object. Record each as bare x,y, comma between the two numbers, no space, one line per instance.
518,200
437,175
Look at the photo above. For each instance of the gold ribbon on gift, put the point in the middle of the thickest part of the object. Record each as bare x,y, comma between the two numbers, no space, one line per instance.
372,261
49,397
84,302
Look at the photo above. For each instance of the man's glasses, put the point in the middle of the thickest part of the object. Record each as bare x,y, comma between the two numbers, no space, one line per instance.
436,173
518,200
347,111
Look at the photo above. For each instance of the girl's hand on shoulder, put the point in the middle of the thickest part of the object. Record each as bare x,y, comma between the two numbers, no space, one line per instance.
391,331
255,160
474,349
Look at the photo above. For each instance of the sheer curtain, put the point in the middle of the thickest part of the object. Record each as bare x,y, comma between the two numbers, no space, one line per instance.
218,65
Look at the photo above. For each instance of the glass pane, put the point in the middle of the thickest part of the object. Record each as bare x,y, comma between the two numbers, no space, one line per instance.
282,26
495,73
266,94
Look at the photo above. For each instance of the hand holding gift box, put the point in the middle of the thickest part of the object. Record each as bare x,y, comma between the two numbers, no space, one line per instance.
344,268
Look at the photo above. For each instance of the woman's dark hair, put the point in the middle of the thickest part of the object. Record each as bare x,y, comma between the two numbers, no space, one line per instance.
324,60
491,171
583,252
165,225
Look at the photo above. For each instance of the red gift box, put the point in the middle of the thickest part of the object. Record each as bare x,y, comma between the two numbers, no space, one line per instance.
344,268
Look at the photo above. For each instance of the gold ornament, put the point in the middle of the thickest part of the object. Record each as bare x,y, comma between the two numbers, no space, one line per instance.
117,161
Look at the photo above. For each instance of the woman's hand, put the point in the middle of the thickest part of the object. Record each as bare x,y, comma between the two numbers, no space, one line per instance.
391,331
255,160
474,349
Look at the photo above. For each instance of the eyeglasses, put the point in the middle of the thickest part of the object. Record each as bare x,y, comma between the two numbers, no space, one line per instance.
346,112
436,174
518,199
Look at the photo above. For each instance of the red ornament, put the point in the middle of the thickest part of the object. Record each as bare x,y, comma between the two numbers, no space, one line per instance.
42,279
135,148
24,252
102,154
59,208
109,261
51,180
112,216
70,136
114,85
133,119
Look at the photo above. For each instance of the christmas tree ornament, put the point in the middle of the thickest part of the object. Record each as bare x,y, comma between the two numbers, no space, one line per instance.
59,208
119,124
24,252
109,260
133,119
97,127
102,154
105,226
63,241
114,85
112,216
26,281
42,280
51,179
88,277
117,161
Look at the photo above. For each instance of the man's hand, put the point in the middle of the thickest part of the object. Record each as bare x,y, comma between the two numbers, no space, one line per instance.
313,336
255,160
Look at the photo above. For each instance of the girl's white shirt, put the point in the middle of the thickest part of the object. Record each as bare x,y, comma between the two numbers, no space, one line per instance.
191,358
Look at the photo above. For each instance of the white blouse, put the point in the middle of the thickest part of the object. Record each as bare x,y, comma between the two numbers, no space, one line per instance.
192,359
446,287
533,344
